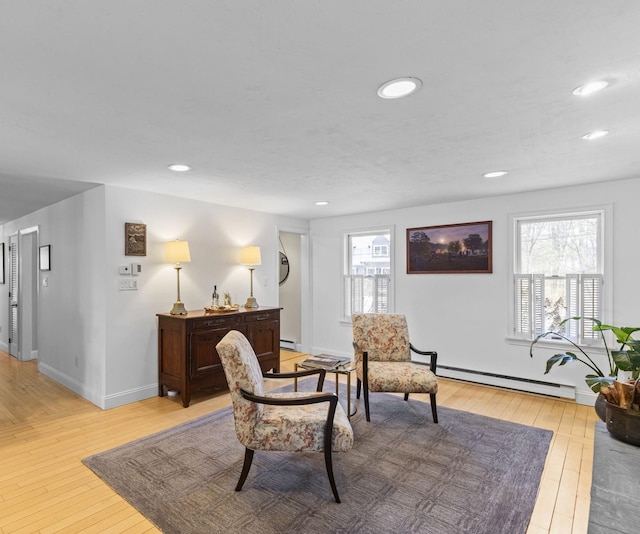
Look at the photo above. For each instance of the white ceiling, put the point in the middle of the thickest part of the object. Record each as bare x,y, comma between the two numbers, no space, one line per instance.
274,103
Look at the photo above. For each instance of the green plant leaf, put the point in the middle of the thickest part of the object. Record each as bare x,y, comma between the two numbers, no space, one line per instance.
622,333
560,359
634,344
596,382
626,360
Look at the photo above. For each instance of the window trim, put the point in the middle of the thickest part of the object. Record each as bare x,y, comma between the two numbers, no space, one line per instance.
605,260
345,262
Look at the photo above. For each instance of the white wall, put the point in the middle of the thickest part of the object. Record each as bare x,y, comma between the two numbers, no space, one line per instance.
215,234
465,317
72,307
102,342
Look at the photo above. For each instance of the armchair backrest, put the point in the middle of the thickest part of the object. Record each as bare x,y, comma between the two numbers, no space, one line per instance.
243,371
385,337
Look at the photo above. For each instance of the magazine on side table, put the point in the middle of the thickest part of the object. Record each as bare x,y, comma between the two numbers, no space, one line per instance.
325,361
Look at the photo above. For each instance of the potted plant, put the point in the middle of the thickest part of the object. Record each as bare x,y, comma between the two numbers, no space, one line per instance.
626,358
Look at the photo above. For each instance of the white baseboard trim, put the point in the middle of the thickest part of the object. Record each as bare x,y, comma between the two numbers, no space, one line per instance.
132,395
288,344
586,398
71,383
105,402
565,391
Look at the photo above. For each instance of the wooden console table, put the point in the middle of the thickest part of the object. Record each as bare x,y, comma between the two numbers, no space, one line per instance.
187,356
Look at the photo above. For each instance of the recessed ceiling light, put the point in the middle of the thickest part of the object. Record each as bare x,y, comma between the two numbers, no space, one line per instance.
322,202
399,87
596,134
495,174
179,167
590,88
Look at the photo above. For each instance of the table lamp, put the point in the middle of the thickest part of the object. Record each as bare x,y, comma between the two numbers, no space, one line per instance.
250,256
178,252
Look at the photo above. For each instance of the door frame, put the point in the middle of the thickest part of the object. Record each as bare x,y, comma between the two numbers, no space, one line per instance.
305,281
27,284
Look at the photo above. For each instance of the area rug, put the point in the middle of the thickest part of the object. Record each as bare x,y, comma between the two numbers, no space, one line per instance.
467,474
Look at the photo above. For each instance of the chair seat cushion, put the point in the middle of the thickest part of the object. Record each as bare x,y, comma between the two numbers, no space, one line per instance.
400,377
299,428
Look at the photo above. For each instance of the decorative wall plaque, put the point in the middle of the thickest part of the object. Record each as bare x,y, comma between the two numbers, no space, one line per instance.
135,239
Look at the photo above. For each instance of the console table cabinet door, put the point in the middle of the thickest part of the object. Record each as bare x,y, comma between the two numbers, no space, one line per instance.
264,337
204,363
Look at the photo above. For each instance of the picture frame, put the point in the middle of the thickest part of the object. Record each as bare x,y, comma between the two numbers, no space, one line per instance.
450,248
135,239
45,257
1,263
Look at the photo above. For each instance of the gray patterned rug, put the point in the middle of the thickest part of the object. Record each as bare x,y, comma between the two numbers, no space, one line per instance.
468,474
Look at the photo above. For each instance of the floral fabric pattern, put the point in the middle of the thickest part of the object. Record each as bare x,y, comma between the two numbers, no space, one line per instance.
277,428
399,377
385,338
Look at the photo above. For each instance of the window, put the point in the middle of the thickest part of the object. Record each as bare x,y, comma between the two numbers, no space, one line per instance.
558,273
367,272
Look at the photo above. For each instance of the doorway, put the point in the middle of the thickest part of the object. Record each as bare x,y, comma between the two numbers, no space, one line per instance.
293,280
23,294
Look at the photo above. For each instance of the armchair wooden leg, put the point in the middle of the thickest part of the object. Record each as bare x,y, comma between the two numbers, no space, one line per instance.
329,464
248,457
366,402
434,411
406,396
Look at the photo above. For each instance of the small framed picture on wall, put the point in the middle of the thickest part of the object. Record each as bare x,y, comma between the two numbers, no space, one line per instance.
45,258
1,263
135,239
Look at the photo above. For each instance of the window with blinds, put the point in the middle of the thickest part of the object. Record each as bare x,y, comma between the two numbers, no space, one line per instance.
367,272
558,273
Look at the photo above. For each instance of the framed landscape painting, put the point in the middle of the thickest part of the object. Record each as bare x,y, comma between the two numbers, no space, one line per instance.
450,248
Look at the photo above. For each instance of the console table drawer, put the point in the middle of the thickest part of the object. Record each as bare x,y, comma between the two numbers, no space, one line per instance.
262,316
216,321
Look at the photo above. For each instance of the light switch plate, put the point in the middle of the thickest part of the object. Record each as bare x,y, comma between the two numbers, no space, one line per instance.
127,284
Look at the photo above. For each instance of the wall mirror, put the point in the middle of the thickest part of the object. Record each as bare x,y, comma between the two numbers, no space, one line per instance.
284,267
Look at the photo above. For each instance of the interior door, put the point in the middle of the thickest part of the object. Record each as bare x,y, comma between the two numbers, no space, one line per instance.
14,330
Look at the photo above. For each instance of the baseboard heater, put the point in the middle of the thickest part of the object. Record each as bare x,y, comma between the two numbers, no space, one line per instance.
511,382
287,344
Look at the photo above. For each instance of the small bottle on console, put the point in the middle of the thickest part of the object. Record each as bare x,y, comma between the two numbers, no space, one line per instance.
215,298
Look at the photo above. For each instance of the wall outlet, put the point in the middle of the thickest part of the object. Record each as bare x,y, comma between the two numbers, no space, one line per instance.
125,269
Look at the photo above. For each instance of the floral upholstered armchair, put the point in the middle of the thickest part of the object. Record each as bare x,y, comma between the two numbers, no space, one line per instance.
383,359
296,421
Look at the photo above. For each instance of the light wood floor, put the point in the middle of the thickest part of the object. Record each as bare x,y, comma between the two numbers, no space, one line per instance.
45,431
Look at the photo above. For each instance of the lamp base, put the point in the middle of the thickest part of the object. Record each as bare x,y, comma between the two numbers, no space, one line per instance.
251,303
178,309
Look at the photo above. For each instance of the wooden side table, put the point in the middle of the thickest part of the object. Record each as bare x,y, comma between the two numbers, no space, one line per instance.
345,369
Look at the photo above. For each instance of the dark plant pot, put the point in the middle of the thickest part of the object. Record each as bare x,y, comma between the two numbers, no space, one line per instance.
622,425
601,409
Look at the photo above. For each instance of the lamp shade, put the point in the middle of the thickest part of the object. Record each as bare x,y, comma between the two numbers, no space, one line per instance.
177,252
250,256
